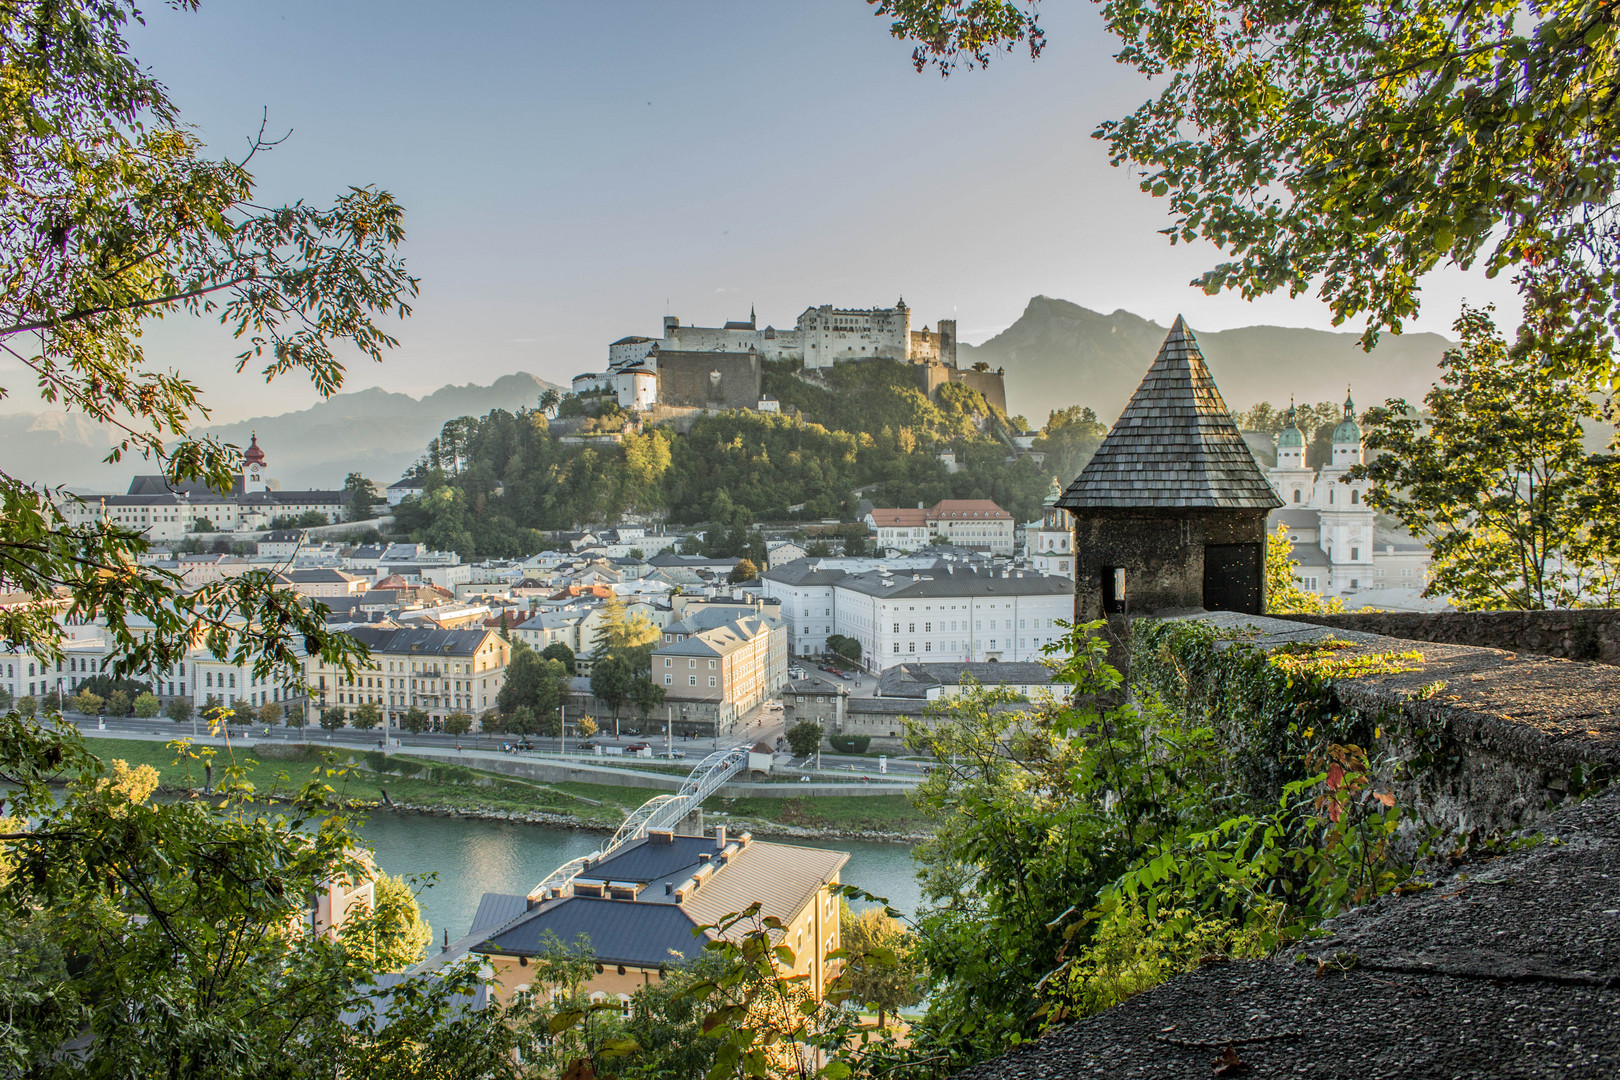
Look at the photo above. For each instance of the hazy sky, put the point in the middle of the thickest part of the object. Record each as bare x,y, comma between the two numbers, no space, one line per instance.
573,171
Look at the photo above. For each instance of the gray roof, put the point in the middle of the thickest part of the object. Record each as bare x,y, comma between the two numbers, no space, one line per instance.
420,640
804,572
1175,445
620,931
915,680
1295,517
946,579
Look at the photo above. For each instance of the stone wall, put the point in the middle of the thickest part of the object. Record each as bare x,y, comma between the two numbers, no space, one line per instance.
1581,634
1468,739
714,380
989,383
1162,552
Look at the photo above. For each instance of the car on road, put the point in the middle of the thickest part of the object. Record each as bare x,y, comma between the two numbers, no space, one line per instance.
637,747
525,744
630,731
588,744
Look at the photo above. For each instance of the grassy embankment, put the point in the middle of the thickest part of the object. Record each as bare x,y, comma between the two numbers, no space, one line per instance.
458,787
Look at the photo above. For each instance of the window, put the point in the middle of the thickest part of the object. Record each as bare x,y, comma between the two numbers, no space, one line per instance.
667,660
1355,553
711,680
1355,497
691,664
691,680
713,664
669,679
1297,494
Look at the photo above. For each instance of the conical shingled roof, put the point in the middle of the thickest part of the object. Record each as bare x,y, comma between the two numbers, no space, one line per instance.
1174,446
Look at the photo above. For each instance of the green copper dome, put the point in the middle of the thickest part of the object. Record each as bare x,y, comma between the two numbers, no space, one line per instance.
1291,438
1348,430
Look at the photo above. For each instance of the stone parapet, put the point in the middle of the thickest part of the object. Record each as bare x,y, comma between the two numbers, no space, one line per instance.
1569,634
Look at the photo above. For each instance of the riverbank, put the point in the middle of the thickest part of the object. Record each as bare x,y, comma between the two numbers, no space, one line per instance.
443,789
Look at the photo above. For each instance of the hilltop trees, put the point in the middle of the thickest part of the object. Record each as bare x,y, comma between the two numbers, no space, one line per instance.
492,482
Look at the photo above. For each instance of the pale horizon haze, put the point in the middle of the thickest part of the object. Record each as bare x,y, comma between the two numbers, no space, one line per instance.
571,173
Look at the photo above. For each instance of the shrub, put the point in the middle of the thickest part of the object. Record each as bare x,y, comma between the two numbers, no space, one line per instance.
850,744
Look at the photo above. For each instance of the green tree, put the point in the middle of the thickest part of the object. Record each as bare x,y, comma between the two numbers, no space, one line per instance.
1360,153
50,702
246,990
585,726
560,652
611,680
361,496
146,706
86,702
28,705
620,634
414,721
392,935
119,703
333,718
881,968
645,694
745,570
458,723
312,519
366,716
1284,593
1518,514
269,713
178,709
203,525
115,217
845,646
804,738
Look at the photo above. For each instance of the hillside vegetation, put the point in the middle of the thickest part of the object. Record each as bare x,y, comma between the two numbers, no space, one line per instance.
493,483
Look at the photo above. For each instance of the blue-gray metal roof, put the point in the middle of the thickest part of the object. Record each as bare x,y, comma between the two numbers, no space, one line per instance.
496,909
619,931
648,861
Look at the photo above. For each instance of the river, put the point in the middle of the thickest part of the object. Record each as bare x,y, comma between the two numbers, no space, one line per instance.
472,857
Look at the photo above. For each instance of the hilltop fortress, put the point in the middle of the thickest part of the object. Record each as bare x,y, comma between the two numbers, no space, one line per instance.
719,367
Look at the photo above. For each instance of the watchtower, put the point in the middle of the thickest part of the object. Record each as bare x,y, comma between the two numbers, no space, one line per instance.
1173,498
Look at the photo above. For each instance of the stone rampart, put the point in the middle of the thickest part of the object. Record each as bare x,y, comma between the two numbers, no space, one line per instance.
1575,634
1469,739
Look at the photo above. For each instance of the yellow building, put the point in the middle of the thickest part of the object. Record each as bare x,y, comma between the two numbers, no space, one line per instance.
639,905
437,671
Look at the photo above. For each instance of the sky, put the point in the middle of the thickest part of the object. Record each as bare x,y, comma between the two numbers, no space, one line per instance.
572,172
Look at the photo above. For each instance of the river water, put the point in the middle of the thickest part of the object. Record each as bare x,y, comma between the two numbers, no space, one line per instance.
472,857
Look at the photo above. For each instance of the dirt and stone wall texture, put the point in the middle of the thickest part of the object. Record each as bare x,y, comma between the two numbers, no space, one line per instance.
1581,634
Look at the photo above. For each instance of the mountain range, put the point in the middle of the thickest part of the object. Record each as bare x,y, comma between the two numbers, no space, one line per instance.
1059,353
373,432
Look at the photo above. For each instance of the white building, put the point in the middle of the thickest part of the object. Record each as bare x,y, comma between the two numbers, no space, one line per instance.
161,510
977,524
951,613
1334,531
1049,542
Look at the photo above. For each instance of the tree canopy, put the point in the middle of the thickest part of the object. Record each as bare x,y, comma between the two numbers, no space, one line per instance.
115,216
1497,475
1352,150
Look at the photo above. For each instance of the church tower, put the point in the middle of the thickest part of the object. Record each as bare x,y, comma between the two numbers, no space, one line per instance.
1293,479
254,477
1347,520
1050,546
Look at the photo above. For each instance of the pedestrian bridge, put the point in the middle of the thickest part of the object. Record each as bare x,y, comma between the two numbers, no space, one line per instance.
658,812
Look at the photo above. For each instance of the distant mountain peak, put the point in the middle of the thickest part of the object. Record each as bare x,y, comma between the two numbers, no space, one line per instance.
1060,353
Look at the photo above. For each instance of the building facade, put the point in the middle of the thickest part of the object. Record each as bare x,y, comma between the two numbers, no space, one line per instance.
976,524
437,671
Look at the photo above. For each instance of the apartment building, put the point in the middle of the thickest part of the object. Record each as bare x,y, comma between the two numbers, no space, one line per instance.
437,671
713,676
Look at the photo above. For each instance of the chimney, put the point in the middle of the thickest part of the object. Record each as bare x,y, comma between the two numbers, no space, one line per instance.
719,837
669,888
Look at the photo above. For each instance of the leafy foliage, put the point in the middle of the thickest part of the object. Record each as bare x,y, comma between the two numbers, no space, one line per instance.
115,218
1283,591
493,482
804,738
1519,514
1360,152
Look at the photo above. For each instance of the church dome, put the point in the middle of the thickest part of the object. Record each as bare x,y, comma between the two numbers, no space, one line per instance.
254,455
1291,437
1348,430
